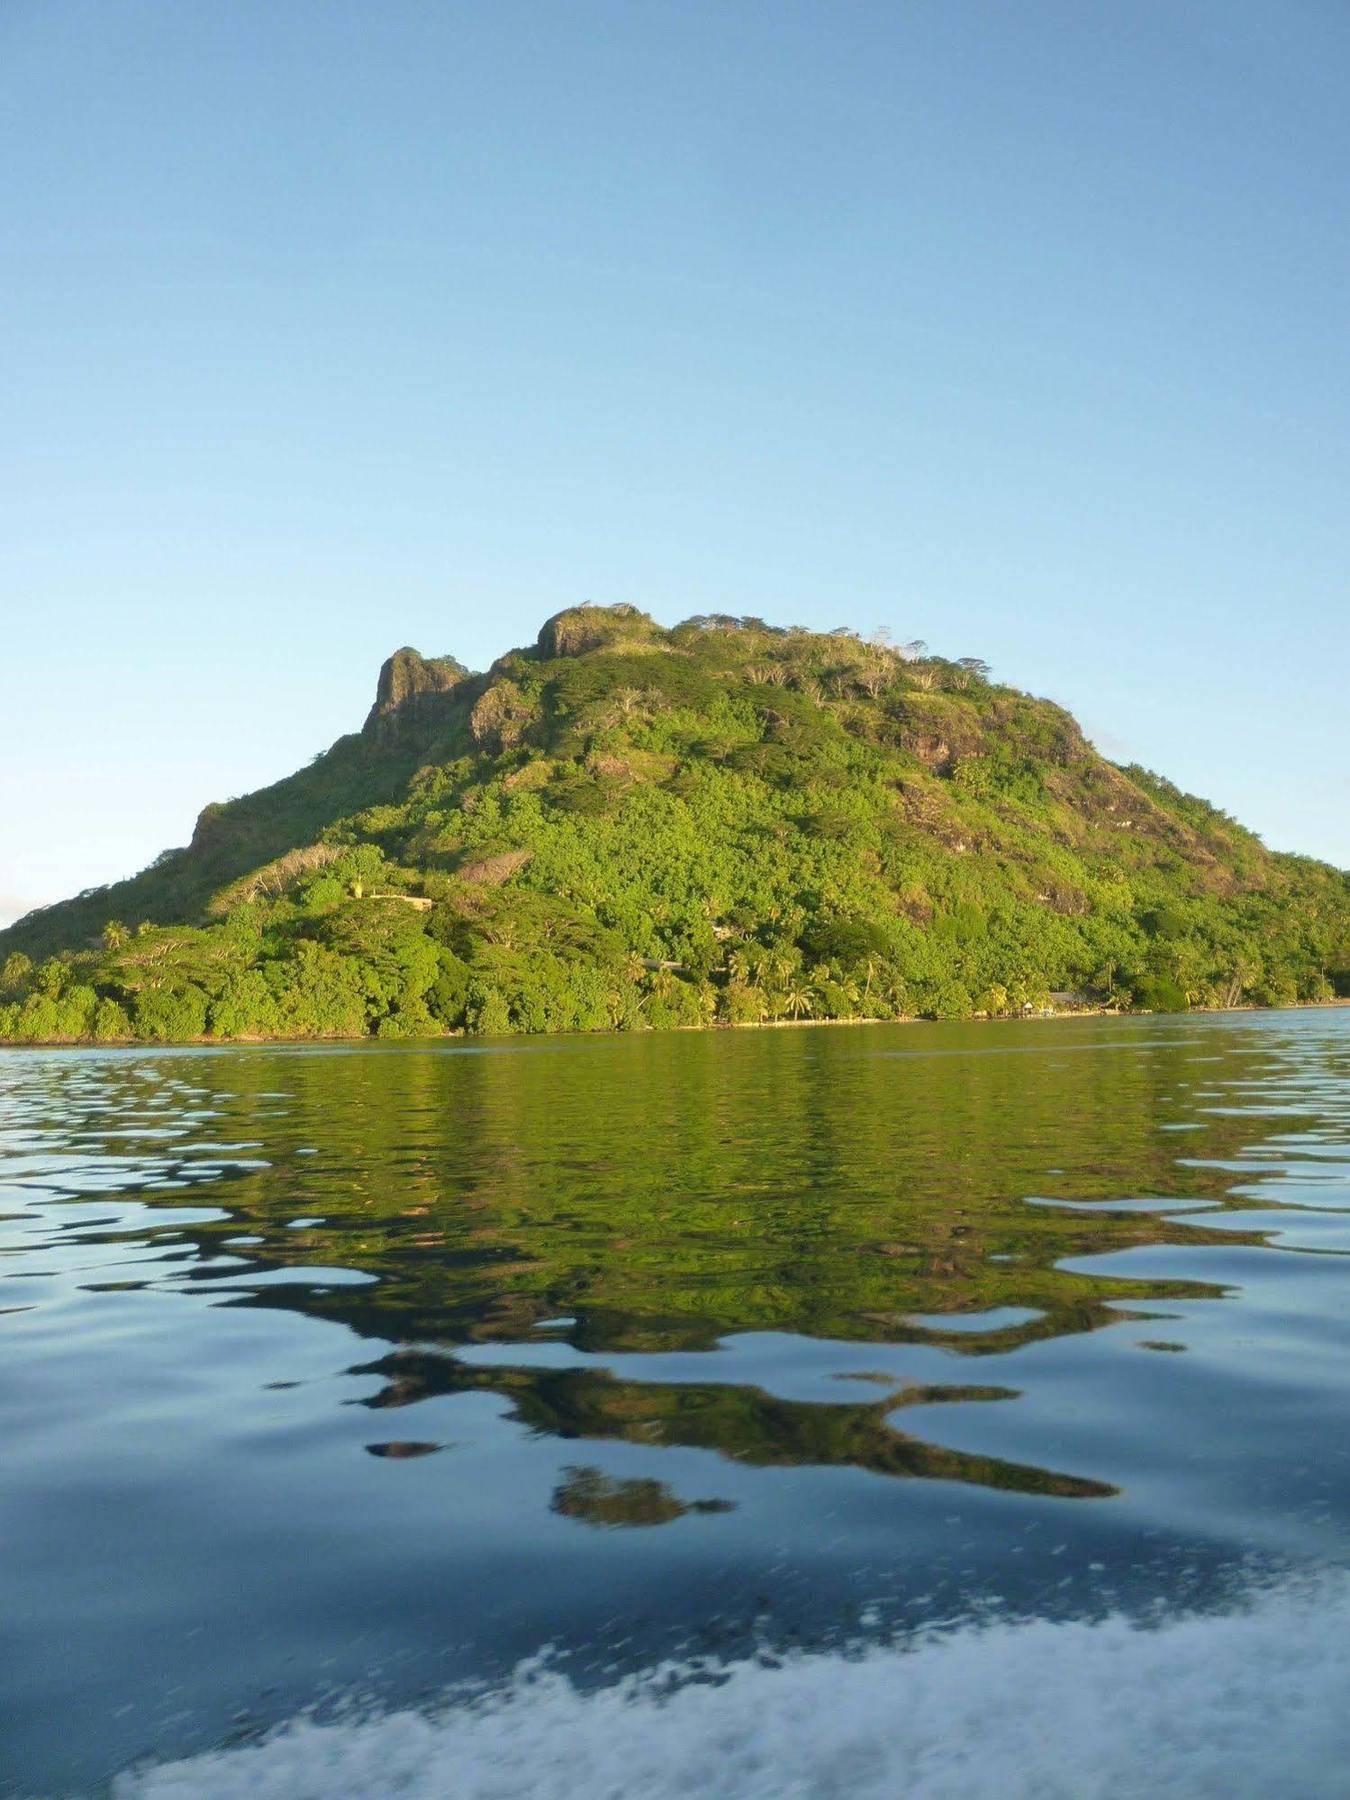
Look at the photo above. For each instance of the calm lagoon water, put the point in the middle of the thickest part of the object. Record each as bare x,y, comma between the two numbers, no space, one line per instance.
944,1410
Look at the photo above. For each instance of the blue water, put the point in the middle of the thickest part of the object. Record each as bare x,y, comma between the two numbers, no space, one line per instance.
982,1388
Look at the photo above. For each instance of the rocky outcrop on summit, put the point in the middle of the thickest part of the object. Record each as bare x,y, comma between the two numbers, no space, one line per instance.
411,695
580,629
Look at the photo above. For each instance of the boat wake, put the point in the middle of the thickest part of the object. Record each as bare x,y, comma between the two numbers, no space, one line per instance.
1252,1702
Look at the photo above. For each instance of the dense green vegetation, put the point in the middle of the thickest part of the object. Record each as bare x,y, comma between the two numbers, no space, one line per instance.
626,826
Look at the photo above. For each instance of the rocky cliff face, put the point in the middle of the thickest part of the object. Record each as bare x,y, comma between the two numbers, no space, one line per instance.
411,696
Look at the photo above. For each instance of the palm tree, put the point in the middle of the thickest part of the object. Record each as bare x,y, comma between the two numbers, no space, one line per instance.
798,1000
782,967
741,968
634,967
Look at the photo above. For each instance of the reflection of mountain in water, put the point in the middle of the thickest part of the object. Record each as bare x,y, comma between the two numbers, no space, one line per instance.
658,1194
743,1422
595,1498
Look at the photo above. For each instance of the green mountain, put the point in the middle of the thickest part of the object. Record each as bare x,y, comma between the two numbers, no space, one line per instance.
629,826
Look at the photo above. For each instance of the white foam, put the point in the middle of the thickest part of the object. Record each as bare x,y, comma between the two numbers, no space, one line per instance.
1256,1702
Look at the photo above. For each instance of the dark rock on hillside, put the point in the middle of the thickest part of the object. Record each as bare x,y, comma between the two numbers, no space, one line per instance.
411,697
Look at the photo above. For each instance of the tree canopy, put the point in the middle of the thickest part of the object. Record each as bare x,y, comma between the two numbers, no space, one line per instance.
624,826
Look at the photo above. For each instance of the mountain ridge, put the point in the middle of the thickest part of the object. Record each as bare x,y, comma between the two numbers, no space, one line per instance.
626,824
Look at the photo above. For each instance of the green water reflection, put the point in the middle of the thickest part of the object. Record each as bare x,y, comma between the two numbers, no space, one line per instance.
663,1192
615,1197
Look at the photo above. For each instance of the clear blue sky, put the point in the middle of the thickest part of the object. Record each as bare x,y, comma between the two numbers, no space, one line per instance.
331,325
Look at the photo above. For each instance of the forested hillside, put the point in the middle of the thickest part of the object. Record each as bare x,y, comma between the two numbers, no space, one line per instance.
628,826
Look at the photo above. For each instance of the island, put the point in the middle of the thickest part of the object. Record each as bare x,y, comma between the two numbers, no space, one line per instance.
626,826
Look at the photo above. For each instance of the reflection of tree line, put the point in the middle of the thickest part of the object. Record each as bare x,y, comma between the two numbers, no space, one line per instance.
663,1192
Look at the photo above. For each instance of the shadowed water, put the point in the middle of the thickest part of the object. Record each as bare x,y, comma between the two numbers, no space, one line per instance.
334,1371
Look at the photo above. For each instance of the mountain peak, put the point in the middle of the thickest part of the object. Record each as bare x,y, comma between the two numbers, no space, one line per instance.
410,693
578,629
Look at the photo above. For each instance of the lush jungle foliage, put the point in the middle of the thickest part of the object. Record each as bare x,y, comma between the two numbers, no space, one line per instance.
626,826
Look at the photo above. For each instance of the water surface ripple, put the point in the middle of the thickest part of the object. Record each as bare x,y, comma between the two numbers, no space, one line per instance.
335,1371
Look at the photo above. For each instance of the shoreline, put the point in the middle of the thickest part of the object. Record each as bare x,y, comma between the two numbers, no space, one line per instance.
1340,1002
